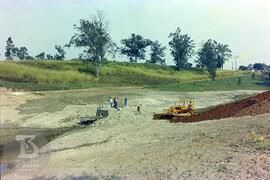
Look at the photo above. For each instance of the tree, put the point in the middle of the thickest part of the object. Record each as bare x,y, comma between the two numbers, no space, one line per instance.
61,53
182,47
29,58
40,56
49,57
223,54
134,47
9,49
211,54
93,35
259,66
157,53
243,68
22,53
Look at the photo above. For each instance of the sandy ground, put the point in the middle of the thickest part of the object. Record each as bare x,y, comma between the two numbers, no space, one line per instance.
130,146
9,102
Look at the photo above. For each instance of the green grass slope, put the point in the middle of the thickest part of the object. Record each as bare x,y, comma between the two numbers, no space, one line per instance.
54,75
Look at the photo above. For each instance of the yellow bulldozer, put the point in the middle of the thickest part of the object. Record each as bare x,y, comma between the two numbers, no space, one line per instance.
184,108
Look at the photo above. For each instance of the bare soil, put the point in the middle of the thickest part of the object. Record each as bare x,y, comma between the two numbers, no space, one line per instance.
130,146
259,104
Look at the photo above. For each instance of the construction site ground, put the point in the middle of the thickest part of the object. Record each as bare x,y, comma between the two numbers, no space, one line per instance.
130,146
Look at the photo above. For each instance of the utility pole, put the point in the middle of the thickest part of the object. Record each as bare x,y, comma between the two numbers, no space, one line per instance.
235,62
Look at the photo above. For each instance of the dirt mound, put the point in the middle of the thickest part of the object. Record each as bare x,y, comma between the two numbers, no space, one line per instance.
259,104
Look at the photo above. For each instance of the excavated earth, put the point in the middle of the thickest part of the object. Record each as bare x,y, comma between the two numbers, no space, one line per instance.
129,146
259,104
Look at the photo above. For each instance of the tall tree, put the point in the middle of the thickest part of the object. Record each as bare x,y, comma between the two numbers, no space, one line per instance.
22,53
93,35
61,53
49,57
223,54
182,47
211,55
40,56
157,53
134,47
9,49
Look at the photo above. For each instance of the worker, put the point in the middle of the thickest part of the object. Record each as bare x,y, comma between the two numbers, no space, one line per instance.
110,101
138,110
116,103
125,101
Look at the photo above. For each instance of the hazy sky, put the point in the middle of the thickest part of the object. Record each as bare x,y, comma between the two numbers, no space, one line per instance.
40,24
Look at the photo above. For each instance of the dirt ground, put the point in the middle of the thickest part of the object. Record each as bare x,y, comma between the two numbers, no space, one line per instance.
130,146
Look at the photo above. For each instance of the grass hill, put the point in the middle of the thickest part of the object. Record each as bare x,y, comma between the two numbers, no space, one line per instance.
55,75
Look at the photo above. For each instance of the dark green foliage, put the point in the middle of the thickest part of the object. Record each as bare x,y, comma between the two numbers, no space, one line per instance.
14,52
188,65
157,53
94,37
9,49
134,47
223,54
61,53
40,56
49,57
212,56
22,53
29,58
182,47
243,68
260,66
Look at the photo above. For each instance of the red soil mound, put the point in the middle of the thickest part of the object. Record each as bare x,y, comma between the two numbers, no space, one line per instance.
259,104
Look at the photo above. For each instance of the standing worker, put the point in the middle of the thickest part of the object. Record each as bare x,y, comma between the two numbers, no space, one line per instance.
110,102
139,109
116,103
125,101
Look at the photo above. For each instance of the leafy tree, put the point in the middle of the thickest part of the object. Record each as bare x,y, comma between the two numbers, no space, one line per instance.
15,52
29,58
49,57
243,68
61,53
189,65
157,53
134,47
22,53
40,56
182,47
259,66
211,54
223,54
9,49
93,35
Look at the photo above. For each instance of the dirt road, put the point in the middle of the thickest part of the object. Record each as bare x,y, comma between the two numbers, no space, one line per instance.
126,145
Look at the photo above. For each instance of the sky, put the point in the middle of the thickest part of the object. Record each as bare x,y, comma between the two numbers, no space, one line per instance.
41,24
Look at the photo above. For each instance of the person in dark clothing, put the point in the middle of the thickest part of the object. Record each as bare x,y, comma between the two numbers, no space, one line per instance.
125,101
138,110
115,104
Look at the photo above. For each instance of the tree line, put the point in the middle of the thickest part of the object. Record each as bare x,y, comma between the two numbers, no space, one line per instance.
93,36
13,52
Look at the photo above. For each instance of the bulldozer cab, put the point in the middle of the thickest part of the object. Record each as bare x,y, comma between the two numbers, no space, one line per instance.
185,107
